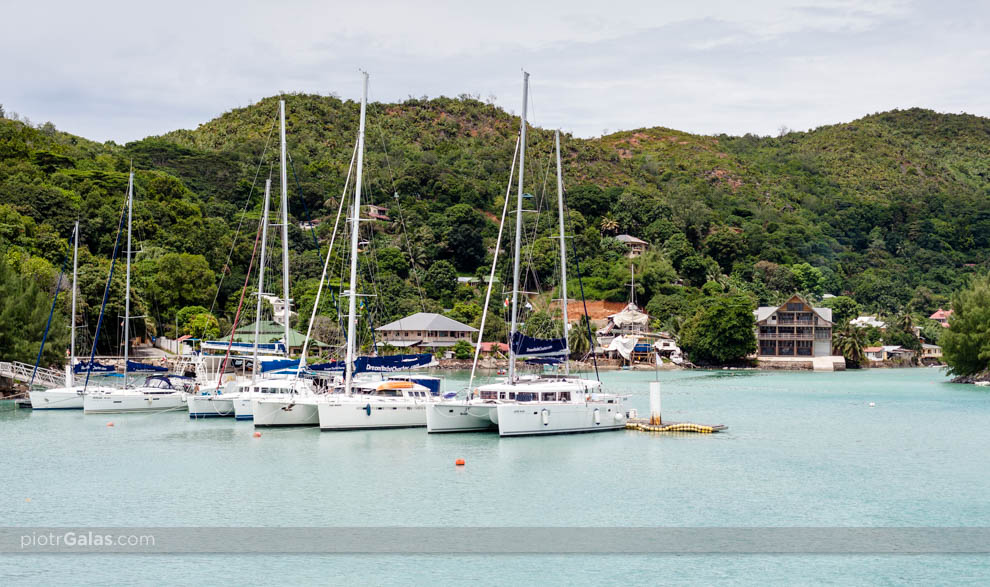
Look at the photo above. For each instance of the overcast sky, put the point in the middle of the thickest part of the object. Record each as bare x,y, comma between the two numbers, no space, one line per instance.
126,70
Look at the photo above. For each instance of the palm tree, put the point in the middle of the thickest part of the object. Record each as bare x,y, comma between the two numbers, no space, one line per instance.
579,338
609,224
905,322
850,341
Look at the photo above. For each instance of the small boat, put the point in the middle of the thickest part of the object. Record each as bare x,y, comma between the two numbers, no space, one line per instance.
386,404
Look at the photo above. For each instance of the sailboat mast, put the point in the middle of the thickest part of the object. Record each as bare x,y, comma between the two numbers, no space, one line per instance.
632,283
72,320
261,272
355,221
127,287
563,247
285,230
519,205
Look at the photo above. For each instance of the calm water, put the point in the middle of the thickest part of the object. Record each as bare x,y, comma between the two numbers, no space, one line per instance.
803,449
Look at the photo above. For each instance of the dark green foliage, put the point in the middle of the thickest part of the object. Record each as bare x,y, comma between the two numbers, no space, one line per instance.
440,281
721,331
463,350
966,343
844,308
24,308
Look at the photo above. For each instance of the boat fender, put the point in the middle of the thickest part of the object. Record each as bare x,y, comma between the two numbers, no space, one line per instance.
598,417
367,409
545,416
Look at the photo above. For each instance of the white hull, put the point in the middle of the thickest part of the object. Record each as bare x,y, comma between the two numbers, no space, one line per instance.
57,399
525,418
365,413
295,411
211,406
459,417
243,408
118,402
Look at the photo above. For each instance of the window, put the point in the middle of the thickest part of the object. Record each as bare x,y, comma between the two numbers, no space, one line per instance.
794,306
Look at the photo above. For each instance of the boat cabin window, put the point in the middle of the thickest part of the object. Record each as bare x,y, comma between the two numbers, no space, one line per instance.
489,395
565,396
389,393
501,395
525,397
512,395
549,397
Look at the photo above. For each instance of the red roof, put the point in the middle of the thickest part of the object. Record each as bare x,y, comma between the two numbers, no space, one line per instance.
941,315
183,337
873,349
488,346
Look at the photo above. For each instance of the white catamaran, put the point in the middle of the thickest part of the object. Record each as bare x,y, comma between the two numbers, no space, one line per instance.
530,405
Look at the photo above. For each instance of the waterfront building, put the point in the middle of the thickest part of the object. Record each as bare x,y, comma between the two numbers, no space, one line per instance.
793,329
425,331
889,353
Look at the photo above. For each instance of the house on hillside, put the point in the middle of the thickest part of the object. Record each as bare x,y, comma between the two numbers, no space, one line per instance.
942,317
636,246
426,332
794,329
931,353
378,213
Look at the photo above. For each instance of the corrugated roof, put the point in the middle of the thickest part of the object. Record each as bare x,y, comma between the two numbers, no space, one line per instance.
630,240
426,321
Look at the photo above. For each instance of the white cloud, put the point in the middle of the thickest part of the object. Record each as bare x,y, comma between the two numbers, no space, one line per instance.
115,70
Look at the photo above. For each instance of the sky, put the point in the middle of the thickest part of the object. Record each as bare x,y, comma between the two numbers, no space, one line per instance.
121,71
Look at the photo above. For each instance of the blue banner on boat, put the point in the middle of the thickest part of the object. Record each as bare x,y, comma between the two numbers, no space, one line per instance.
527,346
378,364
391,363
94,367
136,367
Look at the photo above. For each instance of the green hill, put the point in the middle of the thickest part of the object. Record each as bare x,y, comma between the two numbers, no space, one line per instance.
891,209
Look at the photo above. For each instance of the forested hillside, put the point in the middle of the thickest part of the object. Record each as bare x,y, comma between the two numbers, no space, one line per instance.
891,210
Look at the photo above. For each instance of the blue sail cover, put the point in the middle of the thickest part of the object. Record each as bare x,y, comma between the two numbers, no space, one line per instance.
136,367
378,364
527,346
545,361
278,364
93,367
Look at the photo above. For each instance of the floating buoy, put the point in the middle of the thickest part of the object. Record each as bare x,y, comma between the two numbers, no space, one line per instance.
109,424
27,499
459,462
257,434
873,404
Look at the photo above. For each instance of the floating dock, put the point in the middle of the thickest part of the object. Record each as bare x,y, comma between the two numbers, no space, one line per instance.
643,425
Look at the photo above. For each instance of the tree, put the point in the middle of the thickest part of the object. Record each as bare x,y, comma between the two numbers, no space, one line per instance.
203,326
725,246
440,281
850,342
463,350
24,308
966,343
721,331
844,308
183,316
182,279
808,278
579,338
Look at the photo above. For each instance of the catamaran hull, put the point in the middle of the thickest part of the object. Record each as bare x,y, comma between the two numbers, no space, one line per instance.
448,417
285,413
523,419
371,414
56,399
122,404
210,406
244,408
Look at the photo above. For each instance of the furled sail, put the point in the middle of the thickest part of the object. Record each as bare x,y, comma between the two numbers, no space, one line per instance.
136,367
93,367
385,364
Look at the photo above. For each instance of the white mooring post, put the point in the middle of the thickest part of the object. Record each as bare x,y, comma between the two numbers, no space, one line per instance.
655,403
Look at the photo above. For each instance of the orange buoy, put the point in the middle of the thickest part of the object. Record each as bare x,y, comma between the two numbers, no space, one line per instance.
257,434
109,424
459,462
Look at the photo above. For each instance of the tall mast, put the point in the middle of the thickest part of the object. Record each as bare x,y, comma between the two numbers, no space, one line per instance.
355,221
563,247
519,205
632,284
285,231
72,320
261,272
127,287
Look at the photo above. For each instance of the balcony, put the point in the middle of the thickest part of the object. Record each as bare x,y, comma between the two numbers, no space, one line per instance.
787,336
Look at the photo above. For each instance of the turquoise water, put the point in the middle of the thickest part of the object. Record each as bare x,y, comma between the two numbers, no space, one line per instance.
803,449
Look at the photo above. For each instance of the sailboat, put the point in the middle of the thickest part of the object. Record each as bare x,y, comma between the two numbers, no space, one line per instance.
159,392
391,403
275,402
69,397
531,405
